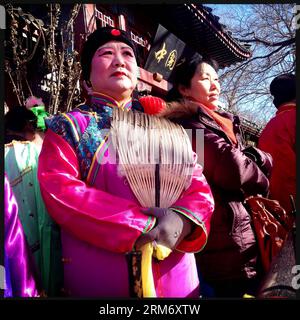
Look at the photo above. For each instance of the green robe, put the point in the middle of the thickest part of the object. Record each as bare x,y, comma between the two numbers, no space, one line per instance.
42,233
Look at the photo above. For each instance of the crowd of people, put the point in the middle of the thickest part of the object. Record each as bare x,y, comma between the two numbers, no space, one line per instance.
77,205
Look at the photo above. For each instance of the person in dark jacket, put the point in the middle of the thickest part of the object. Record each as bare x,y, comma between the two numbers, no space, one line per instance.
228,264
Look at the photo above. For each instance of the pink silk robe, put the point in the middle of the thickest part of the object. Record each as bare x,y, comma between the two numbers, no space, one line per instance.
101,219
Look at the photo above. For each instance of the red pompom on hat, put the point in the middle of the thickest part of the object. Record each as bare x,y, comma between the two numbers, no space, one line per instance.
115,32
152,105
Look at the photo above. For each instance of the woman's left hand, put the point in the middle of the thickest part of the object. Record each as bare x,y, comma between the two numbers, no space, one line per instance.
170,230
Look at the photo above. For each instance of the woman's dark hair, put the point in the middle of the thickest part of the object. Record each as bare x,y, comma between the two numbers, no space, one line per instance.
18,117
184,72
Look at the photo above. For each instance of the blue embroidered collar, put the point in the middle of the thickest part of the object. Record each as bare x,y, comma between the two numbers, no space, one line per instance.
101,100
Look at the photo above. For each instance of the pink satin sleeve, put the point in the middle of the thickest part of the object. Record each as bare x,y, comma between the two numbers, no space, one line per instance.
94,216
20,271
197,204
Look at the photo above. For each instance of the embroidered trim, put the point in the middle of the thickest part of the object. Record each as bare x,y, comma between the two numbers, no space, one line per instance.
62,126
11,144
72,125
189,214
88,144
150,224
109,101
97,163
201,225
75,122
20,177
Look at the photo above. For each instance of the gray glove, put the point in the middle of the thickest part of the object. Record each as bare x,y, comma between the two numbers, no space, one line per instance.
170,230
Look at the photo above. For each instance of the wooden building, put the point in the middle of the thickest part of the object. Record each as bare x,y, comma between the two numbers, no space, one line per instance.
163,33
166,31
193,25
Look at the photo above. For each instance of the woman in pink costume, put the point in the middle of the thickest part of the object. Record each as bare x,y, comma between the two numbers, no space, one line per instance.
100,217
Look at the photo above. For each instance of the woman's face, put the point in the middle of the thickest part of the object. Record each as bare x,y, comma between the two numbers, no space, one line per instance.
114,70
204,88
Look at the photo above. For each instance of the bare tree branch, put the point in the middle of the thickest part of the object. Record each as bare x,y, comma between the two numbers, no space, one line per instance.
245,86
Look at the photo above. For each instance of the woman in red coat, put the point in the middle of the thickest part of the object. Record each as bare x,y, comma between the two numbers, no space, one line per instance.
279,139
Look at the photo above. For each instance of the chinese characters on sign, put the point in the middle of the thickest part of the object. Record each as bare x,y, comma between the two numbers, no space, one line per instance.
165,51
160,54
172,57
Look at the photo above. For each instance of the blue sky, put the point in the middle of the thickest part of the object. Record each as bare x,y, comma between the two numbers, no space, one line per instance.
245,10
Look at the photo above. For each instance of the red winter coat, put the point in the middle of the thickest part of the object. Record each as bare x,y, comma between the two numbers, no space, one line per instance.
279,139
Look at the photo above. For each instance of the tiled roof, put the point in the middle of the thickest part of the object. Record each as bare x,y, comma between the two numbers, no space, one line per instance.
201,30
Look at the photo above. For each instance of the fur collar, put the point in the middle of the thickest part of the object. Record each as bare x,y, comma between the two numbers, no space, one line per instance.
189,109
179,109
